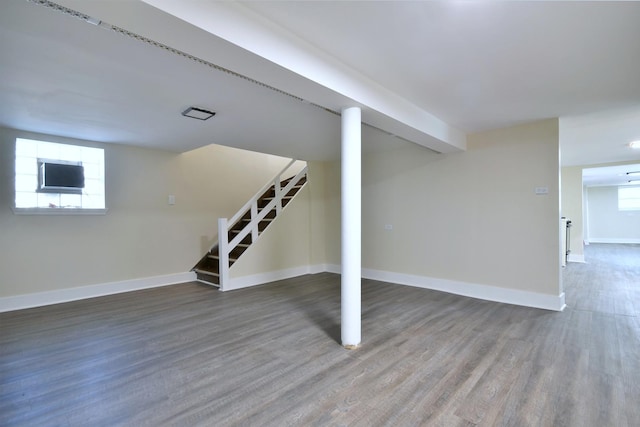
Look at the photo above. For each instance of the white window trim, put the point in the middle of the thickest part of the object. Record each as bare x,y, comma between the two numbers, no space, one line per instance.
624,189
58,211
55,211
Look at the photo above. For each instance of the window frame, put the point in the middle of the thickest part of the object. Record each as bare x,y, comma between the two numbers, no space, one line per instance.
99,167
634,207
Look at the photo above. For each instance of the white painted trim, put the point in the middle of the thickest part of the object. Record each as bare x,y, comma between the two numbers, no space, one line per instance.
39,299
333,268
318,268
58,211
484,292
612,240
474,290
576,258
272,276
243,27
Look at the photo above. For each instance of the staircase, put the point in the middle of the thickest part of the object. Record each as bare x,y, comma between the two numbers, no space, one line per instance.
247,224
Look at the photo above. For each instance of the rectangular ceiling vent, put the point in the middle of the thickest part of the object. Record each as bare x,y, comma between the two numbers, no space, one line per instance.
198,113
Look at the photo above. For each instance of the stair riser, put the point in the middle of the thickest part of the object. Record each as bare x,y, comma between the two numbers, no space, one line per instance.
209,279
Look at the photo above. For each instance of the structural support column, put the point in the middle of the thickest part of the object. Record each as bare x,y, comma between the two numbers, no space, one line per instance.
351,227
223,253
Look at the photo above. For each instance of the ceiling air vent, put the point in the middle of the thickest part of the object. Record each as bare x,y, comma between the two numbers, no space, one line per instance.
198,113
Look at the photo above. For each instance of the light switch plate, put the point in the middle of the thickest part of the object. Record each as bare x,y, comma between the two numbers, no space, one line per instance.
542,190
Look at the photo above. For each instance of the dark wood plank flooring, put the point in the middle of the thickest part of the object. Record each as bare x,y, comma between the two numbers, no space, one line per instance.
188,355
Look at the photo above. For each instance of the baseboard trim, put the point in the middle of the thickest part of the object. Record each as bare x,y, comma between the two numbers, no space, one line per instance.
613,240
576,258
272,276
39,299
473,290
318,268
333,268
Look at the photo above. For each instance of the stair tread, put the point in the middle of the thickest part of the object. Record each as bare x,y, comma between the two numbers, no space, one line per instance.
210,273
218,257
217,285
273,197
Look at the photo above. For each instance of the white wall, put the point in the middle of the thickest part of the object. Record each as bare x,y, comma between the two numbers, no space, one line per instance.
141,236
571,207
467,223
606,223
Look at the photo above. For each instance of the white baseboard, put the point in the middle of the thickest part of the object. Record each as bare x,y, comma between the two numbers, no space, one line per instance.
272,276
38,299
473,290
318,268
485,292
576,258
333,268
612,240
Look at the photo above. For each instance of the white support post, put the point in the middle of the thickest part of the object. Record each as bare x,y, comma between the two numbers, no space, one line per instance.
254,215
223,252
276,191
351,228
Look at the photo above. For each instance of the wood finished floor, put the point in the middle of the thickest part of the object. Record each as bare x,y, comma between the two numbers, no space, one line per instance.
188,355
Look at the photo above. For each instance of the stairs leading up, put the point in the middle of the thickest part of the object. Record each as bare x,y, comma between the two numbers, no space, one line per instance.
208,268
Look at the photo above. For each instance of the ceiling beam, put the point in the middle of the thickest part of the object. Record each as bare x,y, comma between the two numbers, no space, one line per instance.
381,108
270,54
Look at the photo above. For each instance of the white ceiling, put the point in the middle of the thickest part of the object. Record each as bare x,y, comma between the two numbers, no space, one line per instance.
427,71
481,65
66,77
627,174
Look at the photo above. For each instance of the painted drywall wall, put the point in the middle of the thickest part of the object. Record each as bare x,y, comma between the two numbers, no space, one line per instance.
317,214
470,217
332,213
571,207
607,224
141,235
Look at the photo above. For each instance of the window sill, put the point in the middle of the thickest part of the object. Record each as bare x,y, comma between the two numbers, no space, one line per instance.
58,211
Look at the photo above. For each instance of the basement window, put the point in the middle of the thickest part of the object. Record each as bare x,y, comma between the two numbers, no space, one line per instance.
52,178
629,198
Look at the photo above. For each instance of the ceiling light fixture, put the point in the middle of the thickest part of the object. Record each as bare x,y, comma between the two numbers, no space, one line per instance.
635,144
198,113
